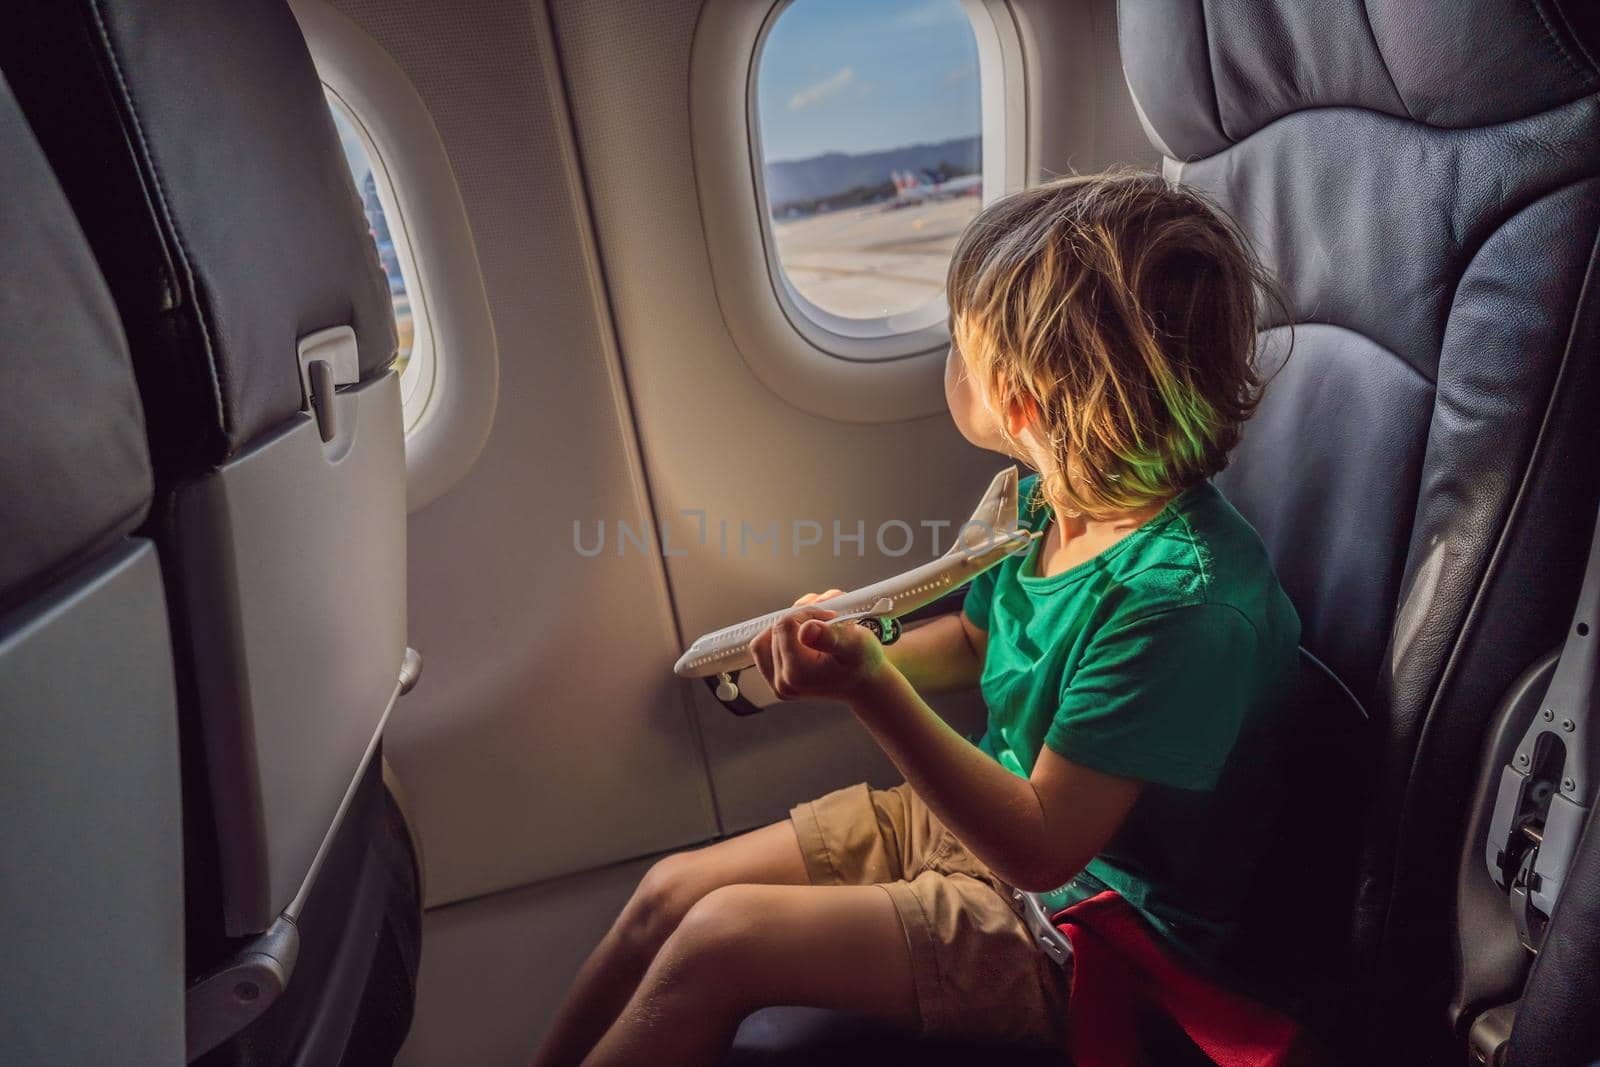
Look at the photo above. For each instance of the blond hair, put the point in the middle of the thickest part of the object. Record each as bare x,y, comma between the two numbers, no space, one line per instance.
1124,309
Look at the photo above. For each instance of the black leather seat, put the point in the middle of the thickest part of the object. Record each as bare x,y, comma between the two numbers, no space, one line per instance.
194,142
1424,180
91,906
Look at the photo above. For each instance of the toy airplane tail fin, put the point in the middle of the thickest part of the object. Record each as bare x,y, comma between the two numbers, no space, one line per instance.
995,518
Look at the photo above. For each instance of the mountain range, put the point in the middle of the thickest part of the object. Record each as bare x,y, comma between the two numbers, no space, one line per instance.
794,180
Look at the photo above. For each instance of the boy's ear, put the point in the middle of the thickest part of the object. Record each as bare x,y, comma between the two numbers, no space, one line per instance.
1021,412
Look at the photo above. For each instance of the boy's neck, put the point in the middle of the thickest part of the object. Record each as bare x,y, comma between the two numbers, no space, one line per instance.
1073,538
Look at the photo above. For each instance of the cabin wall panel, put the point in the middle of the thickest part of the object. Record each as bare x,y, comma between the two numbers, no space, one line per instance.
547,734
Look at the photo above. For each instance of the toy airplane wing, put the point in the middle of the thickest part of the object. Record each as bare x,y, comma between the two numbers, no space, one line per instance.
982,541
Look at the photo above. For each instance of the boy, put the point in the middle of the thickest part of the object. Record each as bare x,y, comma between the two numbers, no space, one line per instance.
1103,333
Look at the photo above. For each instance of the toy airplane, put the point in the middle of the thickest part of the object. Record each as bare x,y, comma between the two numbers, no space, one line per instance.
983,541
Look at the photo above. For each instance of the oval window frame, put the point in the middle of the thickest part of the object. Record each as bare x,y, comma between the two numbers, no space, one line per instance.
452,426
885,378
418,376
920,329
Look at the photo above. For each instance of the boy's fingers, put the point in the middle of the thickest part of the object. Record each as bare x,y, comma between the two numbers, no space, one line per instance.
780,684
841,642
786,655
761,649
820,636
787,629
794,618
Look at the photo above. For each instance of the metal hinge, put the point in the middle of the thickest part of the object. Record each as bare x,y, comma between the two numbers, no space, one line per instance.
1490,1034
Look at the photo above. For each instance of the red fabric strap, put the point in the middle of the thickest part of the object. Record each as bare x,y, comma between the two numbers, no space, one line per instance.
1121,973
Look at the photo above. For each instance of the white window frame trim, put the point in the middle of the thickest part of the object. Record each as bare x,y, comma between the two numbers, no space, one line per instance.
449,429
417,379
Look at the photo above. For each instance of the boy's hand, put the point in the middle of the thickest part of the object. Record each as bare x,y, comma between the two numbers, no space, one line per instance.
802,656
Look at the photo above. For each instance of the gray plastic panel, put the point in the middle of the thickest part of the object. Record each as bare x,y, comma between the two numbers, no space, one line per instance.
1491,963
91,884
292,560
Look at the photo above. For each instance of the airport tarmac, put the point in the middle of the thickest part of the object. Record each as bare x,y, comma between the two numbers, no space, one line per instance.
872,261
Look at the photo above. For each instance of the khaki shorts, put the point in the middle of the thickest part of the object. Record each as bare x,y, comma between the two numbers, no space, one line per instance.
977,970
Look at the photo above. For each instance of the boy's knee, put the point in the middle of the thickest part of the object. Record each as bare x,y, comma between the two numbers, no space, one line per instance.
718,936
664,895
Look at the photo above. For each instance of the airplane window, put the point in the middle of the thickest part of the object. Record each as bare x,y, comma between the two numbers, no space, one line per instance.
377,199
869,125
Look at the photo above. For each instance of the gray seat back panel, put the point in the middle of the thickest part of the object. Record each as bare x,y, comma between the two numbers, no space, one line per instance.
91,865
195,143
91,901
280,553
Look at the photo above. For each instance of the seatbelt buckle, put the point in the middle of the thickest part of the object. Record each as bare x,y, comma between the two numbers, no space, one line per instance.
1045,934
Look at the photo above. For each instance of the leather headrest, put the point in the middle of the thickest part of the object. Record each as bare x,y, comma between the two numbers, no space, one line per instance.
1208,73
74,474
195,144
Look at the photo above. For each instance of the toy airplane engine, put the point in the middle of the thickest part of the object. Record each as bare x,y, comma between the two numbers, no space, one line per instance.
982,542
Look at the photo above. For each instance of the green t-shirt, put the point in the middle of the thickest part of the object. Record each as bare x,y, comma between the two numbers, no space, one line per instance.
1168,658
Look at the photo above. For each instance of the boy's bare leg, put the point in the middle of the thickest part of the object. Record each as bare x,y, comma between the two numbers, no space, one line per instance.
666,893
745,947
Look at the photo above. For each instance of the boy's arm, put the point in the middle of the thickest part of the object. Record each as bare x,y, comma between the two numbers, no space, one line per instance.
941,655
1034,833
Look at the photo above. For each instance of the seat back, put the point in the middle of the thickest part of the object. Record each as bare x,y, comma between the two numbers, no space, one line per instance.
195,144
1304,883
91,898
1424,181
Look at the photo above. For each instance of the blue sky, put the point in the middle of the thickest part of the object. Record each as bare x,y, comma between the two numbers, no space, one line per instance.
861,75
